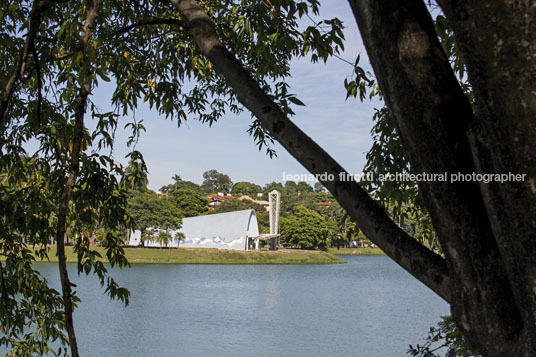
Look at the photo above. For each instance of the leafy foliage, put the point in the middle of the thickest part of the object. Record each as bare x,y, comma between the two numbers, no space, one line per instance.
27,299
179,183
445,335
305,229
246,188
402,199
151,213
189,202
215,182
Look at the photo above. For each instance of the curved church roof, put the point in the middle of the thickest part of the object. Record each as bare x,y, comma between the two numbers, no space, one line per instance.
222,230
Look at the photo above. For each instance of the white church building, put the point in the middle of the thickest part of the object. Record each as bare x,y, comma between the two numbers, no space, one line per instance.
229,230
238,230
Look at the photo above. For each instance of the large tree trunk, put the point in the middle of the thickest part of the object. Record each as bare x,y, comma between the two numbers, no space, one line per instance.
487,275
486,230
498,43
433,116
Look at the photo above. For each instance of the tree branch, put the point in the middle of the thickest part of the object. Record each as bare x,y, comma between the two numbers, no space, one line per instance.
422,263
39,86
149,20
78,133
35,21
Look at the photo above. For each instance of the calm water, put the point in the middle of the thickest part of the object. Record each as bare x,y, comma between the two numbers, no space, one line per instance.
369,307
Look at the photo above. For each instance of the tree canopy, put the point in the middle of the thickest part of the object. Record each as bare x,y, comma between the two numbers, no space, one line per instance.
152,212
179,183
246,188
305,229
215,182
189,202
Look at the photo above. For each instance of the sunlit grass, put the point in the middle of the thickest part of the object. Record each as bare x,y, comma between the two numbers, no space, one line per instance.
212,256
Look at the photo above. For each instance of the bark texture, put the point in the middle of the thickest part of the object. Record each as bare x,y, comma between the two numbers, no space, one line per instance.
433,116
78,133
498,43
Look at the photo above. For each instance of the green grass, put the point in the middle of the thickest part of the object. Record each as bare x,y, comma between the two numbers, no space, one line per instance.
212,256
356,251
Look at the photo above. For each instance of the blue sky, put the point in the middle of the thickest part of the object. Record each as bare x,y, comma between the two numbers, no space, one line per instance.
341,127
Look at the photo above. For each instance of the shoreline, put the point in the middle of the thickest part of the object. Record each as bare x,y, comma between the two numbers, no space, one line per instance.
137,255
357,251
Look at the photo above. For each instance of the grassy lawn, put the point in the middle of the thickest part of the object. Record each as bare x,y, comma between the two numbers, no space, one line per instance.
213,256
356,251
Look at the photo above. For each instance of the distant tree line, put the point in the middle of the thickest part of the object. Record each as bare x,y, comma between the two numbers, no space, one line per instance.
304,223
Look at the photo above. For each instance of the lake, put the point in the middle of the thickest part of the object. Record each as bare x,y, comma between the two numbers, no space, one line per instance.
369,307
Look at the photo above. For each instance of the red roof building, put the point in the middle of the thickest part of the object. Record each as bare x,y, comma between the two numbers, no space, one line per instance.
326,205
217,199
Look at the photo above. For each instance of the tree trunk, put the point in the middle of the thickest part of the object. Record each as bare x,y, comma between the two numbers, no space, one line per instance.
492,272
498,43
433,115
78,133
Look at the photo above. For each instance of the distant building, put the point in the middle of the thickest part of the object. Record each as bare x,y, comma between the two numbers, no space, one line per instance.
230,230
326,205
265,204
217,199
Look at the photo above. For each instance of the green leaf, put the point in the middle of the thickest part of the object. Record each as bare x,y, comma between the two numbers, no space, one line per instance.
296,101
